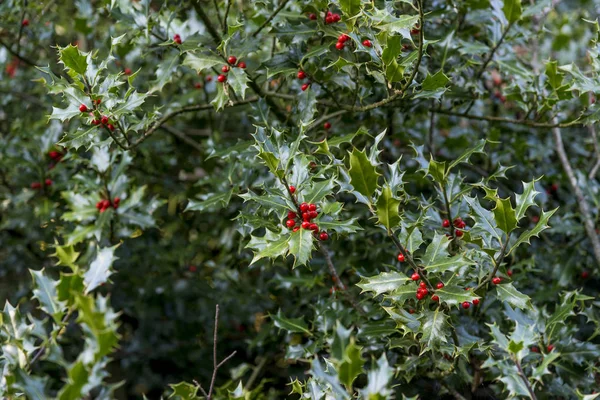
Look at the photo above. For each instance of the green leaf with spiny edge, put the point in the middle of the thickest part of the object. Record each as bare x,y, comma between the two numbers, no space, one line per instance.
401,25
525,199
271,161
183,391
65,114
44,290
411,238
437,170
73,59
402,294
271,249
352,364
202,62
507,292
537,229
363,174
387,209
221,99
238,80
295,325
464,157
455,295
383,283
164,73
541,370
300,246
268,201
505,216
512,10
340,341
350,8
210,202
318,191
77,378
34,387
66,254
512,380
436,250
394,72
404,320
100,268
392,50
485,226
436,81
68,286
347,226
380,380
434,325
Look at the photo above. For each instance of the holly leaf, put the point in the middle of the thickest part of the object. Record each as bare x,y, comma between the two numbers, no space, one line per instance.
387,209
202,61
363,174
184,391
464,157
44,290
295,325
434,325
455,295
436,81
512,10
210,202
350,7
525,199
537,229
505,215
300,246
507,292
100,268
352,364
238,80
382,283
73,59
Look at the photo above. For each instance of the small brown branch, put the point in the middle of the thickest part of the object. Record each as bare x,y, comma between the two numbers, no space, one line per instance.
273,15
332,270
491,55
525,380
411,261
512,121
216,365
323,119
584,208
497,264
219,15
206,20
183,137
592,131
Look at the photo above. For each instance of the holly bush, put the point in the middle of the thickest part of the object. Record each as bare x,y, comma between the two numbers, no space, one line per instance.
299,199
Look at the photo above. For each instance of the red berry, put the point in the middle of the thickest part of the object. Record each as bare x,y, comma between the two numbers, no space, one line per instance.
339,46
290,223
466,305
99,205
468,288
415,276
550,348
292,189
105,203
291,215
312,207
312,17
509,272
446,223
232,60
306,225
208,78
177,38
585,274
98,101
323,236
296,228
459,223
104,120
306,216
475,302
48,182
305,86
225,68
95,122
401,258
435,298
198,85
301,75
336,17
423,285
535,349
314,227
327,126
329,20
110,127
423,291
496,280
535,219
36,185
304,207
439,285
127,71
343,38
25,22
411,311
414,31
54,154
312,214
83,108
367,43
459,233
192,268
241,65
420,296
117,200
329,13
221,78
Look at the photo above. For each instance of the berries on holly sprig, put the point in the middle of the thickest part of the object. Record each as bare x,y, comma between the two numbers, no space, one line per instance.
550,348
422,285
439,285
35,185
323,236
466,305
221,78
304,207
127,71
459,233
496,280
475,302
177,38
241,65
48,182
415,276
232,60
327,126
301,75
104,120
290,223
585,275
446,223
105,204
83,108
401,257
305,86
306,224
459,223
367,43
314,227
435,297
509,272
25,22
225,69
343,38
312,16
292,189
339,46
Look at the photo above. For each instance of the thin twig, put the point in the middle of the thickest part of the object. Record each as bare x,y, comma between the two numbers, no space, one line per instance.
531,123
497,263
584,208
525,380
491,55
183,137
277,10
592,130
219,15
216,365
255,373
225,26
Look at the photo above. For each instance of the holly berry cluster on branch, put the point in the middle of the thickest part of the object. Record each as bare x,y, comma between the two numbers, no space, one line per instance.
232,60
308,214
105,204
458,223
38,185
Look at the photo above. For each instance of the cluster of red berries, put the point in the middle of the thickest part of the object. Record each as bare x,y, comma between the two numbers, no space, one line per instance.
104,120
302,75
105,204
422,290
341,42
225,69
332,18
458,223
177,38
11,67
38,185
309,212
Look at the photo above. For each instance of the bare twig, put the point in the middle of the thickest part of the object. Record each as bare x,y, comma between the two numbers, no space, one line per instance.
592,130
584,208
530,123
183,137
277,10
525,380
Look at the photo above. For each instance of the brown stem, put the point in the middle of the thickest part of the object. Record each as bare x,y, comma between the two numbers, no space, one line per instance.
530,123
